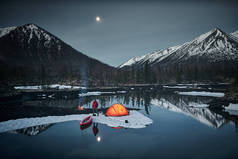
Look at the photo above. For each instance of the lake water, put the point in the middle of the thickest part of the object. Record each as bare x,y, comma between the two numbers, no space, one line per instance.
181,128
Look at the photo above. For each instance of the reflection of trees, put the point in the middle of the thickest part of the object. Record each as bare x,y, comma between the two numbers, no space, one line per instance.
126,99
133,101
147,102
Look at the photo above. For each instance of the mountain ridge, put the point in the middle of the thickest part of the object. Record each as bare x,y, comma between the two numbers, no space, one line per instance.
157,56
27,51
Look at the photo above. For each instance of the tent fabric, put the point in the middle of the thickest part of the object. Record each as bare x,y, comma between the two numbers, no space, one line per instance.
117,110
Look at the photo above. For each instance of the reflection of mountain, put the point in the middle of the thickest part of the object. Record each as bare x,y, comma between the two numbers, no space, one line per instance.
203,115
34,130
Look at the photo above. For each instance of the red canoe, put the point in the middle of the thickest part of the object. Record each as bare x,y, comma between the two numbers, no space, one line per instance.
86,121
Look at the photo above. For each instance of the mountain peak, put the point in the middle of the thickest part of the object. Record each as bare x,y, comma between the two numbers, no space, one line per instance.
31,26
217,30
28,24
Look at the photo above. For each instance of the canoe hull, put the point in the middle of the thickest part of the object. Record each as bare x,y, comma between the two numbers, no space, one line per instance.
86,121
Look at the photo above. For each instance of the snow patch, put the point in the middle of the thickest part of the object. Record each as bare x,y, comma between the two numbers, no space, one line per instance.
52,86
135,119
208,94
121,91
175,86
232,107
132,61
94,93
27,87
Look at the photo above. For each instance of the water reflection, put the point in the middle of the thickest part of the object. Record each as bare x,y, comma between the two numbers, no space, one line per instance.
32,131
203,115
95,129
188,105
144,100
98,138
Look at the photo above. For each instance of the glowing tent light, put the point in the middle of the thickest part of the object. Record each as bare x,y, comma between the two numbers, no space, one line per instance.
117,110
80,108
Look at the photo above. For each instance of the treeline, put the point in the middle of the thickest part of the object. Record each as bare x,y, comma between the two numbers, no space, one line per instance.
94,74
178,73
89,75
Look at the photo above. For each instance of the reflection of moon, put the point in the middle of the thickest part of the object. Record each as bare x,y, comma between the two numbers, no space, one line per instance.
98,139
98,19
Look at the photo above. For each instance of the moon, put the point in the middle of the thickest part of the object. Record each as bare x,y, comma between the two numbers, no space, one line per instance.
98,19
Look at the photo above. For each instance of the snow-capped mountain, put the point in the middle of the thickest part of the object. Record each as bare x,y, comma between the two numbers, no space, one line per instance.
30,53
151,58
31,33
213,46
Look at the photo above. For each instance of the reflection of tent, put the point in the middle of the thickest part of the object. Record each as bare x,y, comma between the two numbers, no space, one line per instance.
117,110
116,127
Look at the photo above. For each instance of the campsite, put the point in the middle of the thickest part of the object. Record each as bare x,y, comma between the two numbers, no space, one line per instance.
118,79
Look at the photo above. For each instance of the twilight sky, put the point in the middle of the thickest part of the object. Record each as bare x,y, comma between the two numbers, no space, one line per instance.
127,28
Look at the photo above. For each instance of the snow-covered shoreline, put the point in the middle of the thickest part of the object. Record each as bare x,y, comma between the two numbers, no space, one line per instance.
52,86
207,94
136,120
232,109
99,93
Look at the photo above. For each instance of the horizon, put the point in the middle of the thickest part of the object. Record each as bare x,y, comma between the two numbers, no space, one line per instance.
125,29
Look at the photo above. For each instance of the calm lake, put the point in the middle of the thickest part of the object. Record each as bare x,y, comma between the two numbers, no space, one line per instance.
181,128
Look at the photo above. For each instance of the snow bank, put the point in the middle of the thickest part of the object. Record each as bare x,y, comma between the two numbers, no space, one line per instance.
53,86
175,86
98,93
136,120
94,93
121,91
232,109
58,86
208,94
27,87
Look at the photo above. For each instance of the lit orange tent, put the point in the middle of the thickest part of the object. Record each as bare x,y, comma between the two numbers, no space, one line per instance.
117,110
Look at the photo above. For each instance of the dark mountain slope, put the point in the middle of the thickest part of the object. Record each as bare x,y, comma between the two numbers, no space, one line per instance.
30,54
